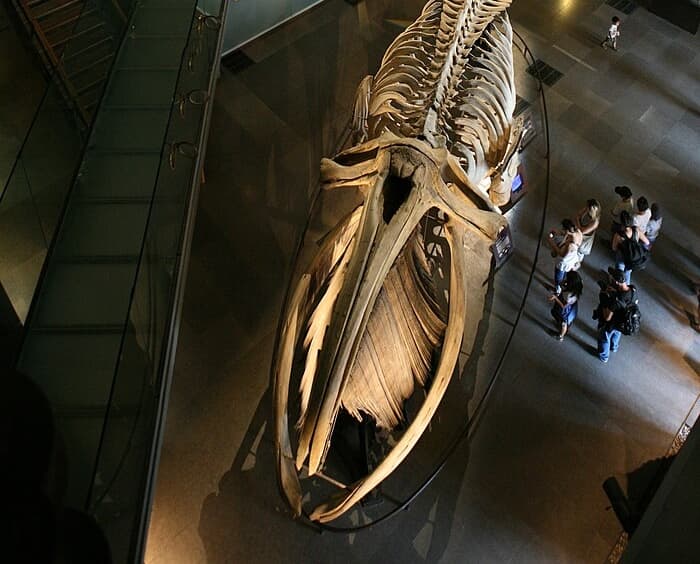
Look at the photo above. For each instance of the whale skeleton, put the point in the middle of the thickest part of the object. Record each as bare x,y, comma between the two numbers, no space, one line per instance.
363,327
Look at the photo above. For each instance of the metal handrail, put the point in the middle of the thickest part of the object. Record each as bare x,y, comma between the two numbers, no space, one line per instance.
178,295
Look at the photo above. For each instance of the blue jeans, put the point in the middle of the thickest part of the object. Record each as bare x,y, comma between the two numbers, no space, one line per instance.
608,341
559,276
628,273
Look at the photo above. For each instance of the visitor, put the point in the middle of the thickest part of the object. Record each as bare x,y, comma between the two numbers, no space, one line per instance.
641,216
565,306
615,295
564,244
613,33
629,246
587,221
625,203
654,224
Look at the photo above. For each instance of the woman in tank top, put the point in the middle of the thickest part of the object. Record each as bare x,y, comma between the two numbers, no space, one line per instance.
587,220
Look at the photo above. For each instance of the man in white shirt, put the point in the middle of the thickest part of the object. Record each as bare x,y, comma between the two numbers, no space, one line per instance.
641,217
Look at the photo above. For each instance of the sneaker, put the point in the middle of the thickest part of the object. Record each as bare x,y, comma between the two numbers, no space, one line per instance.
560,337
603,360
613,350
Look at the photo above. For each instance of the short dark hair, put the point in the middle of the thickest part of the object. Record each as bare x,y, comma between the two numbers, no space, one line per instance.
625,219
655,211
618,276
615,19
568,224
623,191
642,204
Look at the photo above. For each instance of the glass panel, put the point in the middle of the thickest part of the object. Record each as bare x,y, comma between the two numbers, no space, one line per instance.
34,194
248,19
121,489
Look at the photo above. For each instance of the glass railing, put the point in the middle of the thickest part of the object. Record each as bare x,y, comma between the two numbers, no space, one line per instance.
120,496
32,198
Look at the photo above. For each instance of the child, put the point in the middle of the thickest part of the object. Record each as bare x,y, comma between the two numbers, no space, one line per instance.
613,34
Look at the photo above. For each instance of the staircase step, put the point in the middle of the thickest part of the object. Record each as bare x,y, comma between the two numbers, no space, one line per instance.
88,85
59,7
91,85
69,24
64,22
82,33
90,65
105,40
33,3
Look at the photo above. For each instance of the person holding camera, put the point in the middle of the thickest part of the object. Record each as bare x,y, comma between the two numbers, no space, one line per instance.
615,296
565,245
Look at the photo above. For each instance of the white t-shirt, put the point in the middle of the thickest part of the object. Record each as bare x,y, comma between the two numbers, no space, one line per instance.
641,220
613,32
569,260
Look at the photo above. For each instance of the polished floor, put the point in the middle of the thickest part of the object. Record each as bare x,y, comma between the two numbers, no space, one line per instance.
527,486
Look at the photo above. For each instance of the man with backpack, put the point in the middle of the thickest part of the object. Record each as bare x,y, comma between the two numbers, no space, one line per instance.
630,247
617,314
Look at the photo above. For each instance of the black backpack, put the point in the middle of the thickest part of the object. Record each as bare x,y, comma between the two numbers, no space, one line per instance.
631,317
634,254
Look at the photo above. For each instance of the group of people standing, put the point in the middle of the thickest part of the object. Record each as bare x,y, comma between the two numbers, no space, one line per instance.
635,227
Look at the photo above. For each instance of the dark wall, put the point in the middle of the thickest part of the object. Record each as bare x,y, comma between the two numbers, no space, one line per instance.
683,13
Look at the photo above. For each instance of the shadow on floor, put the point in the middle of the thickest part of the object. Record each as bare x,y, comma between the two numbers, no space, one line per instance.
238,520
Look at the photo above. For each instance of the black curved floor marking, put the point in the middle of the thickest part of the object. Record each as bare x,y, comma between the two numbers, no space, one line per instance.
472,422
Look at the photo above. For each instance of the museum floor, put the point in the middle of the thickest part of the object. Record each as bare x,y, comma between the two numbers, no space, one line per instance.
527,485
